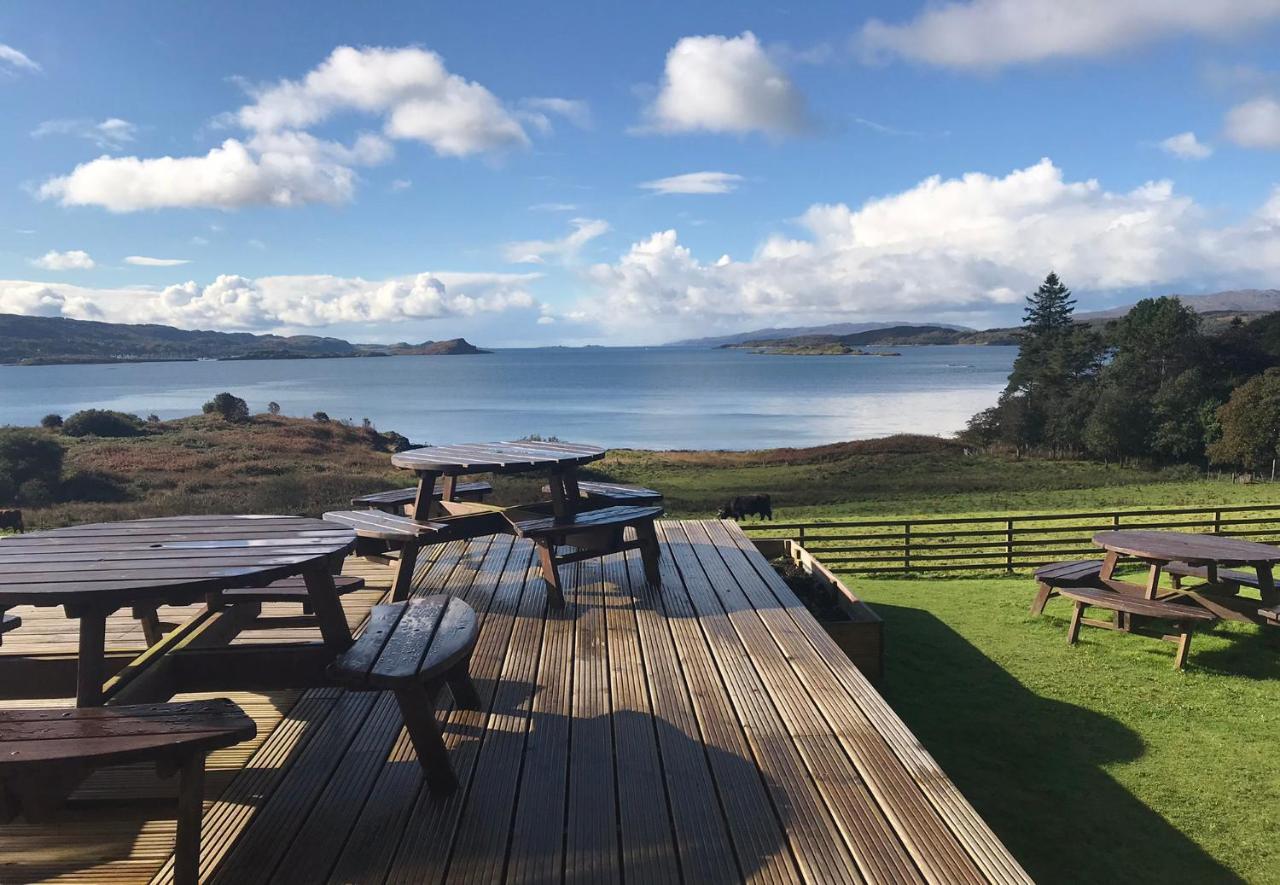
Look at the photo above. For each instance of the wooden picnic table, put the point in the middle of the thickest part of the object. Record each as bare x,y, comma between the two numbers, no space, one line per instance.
1211,552
446,463
94,570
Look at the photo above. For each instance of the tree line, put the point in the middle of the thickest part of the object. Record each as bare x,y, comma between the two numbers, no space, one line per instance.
1156,384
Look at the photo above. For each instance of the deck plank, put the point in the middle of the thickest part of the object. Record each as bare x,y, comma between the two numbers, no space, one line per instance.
704,730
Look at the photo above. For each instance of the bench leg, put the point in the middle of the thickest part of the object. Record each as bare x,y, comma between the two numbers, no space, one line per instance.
1043,592
555,591
462,688
150,619
91,665
403,585
649,553
1073,631
417,707
1184,646
186,854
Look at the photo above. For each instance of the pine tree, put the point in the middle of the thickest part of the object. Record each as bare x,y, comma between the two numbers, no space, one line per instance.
1049,308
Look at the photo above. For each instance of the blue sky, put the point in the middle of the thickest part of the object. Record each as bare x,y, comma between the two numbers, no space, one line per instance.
406,171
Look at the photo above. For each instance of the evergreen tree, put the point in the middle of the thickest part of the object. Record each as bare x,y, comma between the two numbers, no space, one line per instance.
1049,308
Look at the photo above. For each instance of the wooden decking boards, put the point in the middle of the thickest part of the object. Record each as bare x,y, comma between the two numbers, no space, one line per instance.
706,730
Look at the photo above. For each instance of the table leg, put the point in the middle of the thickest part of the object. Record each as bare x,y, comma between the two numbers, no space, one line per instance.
448,488
1267,586
91,663
328,608
423,501
564,492
1109,565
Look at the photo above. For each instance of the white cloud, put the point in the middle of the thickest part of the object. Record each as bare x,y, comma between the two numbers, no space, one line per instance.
265,303
970,244
1185,146
535,110
564,249
726,84
554,207
401,184
996,33
410,87
13,60
227,177
695,183
110,134
74,259
1255,124
145,261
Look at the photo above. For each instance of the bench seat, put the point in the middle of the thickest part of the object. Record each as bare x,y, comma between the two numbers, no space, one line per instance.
1230,576
1186,617
413,648
613,493
1074,573
1271,614
395,500
592,533
45,753
8,622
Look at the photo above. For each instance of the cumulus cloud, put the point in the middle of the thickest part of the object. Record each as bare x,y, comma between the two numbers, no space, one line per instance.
279,163
73,259
564,249
12,60
411,88
997,33
695,183
1255,124
1185,146
265,303
110,134
726,84
970,244
145,261
536,110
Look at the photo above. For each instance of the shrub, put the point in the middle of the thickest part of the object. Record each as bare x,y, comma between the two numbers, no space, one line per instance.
322,417
51,422
153,419
273,408
102,422
230,407
35,493
93,485
28,456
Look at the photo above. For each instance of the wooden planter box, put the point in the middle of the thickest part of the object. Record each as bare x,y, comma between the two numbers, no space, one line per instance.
861,637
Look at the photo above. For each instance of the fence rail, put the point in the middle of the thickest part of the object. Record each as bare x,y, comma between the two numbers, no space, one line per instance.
1002,543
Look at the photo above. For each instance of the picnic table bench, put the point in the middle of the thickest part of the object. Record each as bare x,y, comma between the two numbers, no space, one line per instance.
591,533
46,753
613,493
1184,616
395,500
1056,575
414,648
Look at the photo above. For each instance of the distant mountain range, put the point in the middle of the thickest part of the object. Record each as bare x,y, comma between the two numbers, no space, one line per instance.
1219,306
43,340
893,335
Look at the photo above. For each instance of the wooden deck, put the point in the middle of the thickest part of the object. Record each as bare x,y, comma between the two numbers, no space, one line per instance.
706,731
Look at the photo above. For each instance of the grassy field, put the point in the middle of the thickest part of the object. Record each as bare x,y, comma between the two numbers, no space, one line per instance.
1097,763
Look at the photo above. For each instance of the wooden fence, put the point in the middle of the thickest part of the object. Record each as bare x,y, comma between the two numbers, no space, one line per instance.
1002,543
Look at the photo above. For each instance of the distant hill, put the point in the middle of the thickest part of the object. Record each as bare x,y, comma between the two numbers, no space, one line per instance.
903,335
770,334
1234,301
41,340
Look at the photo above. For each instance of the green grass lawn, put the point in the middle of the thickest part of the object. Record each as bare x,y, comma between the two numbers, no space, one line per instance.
1098,763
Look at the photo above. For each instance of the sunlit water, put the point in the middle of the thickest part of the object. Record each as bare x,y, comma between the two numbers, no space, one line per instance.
658,398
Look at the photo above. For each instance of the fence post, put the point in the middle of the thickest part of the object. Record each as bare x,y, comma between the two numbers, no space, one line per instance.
1008,546
1115,520
802,535
906,546
1217,522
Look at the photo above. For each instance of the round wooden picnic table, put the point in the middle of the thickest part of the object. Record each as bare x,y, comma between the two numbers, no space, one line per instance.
1208,552
93,570
447,463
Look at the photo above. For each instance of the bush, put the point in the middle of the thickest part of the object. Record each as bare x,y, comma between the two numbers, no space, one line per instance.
273,408
102,422
153,419
28,456
95,486
51,422
322,417
35,493
230,407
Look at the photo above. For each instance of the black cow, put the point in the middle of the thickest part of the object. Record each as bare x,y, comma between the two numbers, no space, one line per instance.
11,519
747,505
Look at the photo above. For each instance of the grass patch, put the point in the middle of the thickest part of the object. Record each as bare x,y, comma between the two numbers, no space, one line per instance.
1098,762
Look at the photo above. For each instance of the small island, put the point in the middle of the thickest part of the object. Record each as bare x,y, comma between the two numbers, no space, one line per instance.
806,346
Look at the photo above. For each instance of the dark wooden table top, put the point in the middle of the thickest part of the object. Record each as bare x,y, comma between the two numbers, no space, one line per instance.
1186,547
497,457
171,559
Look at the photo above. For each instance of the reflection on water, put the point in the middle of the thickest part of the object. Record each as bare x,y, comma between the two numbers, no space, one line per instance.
639,397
